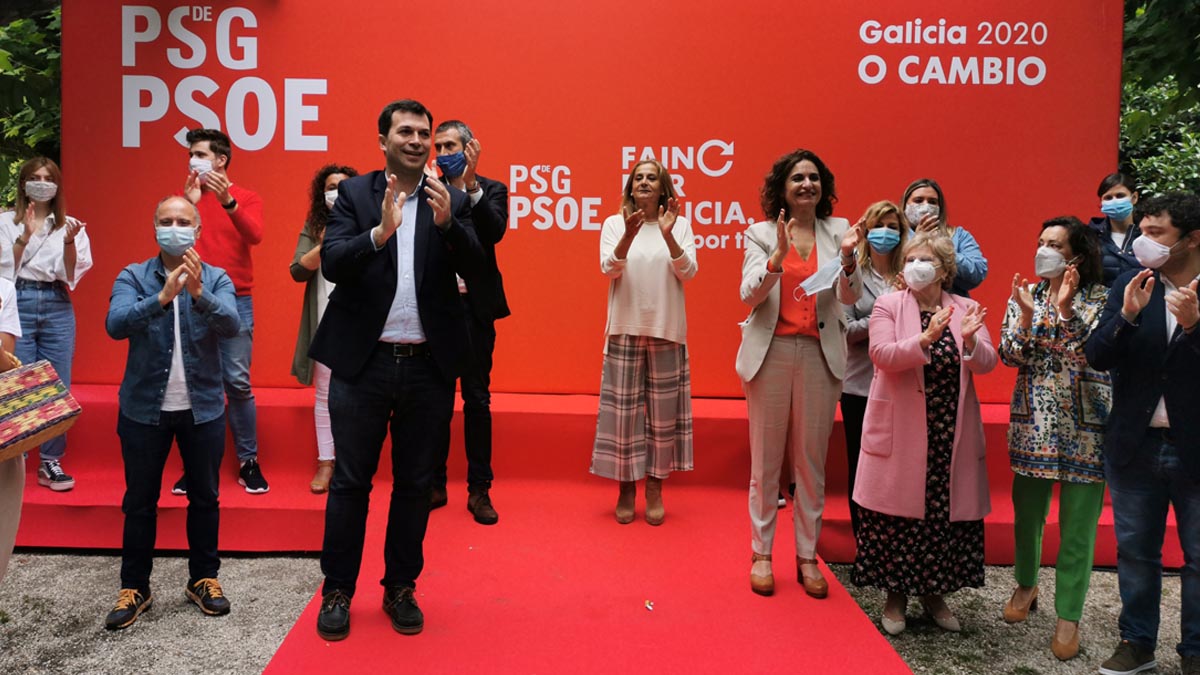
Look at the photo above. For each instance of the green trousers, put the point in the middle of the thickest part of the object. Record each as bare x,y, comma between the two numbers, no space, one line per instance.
1079,506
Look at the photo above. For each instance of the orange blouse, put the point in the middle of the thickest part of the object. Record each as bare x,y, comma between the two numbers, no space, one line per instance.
797,317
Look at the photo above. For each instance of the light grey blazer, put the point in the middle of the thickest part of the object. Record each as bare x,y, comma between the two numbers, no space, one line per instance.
859,369
760,290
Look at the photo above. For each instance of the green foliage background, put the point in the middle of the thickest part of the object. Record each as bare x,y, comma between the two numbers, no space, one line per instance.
1160,120
30,94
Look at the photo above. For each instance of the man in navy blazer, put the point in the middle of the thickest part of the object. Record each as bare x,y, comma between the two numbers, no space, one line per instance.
394,336
1148,339
458,156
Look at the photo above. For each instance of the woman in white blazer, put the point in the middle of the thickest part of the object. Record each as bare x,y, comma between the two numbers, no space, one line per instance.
793,353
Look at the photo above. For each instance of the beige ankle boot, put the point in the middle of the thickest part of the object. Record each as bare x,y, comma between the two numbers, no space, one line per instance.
624,510
654,503
320,481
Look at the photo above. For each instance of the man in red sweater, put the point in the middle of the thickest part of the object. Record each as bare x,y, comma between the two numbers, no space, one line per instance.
233,222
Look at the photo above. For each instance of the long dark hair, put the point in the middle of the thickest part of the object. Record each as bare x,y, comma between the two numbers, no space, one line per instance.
775,184
318,213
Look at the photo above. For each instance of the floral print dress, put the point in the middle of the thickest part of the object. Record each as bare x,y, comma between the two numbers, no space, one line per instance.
930,556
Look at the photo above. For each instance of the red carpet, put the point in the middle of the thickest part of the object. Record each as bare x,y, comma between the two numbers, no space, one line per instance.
537,437
558,586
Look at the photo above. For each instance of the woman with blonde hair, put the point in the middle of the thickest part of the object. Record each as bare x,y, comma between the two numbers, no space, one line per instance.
644,427
880,265
922,476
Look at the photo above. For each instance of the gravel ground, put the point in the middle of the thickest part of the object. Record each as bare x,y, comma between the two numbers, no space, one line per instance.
52,611
988,645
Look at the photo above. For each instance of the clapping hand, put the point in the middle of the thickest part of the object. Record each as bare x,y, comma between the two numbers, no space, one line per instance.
219,184
972,321
191,187
1137,294
173,285
192,278
1021,295
392,208
1183,304
72,230
937,325
667,217
439,201
1066,292
782,241
633,222
471,154
852,237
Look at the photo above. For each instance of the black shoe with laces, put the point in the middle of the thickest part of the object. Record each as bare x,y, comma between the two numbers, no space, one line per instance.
130,605
1128,659
250,477
333,622
401,607
479,503
180,487
51,475
1190,665
208,596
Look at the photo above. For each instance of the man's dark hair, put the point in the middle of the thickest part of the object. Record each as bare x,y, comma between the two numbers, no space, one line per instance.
463,130
218,142
1083,243
404,105
1182,207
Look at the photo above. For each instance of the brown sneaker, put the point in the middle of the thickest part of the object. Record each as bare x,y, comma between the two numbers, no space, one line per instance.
208,596
130,605
480,506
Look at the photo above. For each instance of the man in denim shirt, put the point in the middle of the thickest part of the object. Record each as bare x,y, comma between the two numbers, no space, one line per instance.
173,309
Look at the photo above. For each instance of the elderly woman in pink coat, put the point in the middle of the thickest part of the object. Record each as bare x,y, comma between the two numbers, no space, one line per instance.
923,486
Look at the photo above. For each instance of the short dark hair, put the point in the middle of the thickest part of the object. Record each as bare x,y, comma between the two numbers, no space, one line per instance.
463,130
1112,180
407,105
774,185
218,142
1083,242
1182,207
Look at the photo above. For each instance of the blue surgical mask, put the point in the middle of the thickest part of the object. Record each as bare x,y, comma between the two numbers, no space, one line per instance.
883,239
175,240
452,165
1117,209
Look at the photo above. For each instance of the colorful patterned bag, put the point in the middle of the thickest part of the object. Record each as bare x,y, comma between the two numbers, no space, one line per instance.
35,406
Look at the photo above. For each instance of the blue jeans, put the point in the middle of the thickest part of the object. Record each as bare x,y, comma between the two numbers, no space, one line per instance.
1141,491
144,449
409,397
47,332
235,367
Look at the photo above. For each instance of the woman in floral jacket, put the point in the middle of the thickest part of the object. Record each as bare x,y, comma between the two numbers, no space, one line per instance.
1056,430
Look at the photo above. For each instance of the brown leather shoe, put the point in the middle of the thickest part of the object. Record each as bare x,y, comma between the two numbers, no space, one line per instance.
654,504
624,512
762,581
1014,613
1065,651
479,503
816,586
320,481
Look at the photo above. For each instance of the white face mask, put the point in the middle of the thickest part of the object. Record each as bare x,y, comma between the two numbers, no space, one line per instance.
40,190
1150,253
1049,263
204,166
916,212
330,197
918,274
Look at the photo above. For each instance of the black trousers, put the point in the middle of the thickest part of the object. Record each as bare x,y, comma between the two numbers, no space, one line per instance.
144,449
854,409
408,396
477,409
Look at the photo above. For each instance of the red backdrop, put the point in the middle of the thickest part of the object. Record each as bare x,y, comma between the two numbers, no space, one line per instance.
1012,105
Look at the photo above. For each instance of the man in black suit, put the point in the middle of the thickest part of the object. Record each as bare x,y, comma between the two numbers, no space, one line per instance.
458,156
1148,337
395,337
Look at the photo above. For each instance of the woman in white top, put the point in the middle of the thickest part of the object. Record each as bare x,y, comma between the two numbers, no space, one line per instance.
644,428
306,269
879,264
45,253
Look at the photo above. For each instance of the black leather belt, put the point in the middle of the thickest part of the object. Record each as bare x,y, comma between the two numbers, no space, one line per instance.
404,350
39,285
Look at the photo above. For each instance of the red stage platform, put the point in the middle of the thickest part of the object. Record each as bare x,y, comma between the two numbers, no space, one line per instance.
537,437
